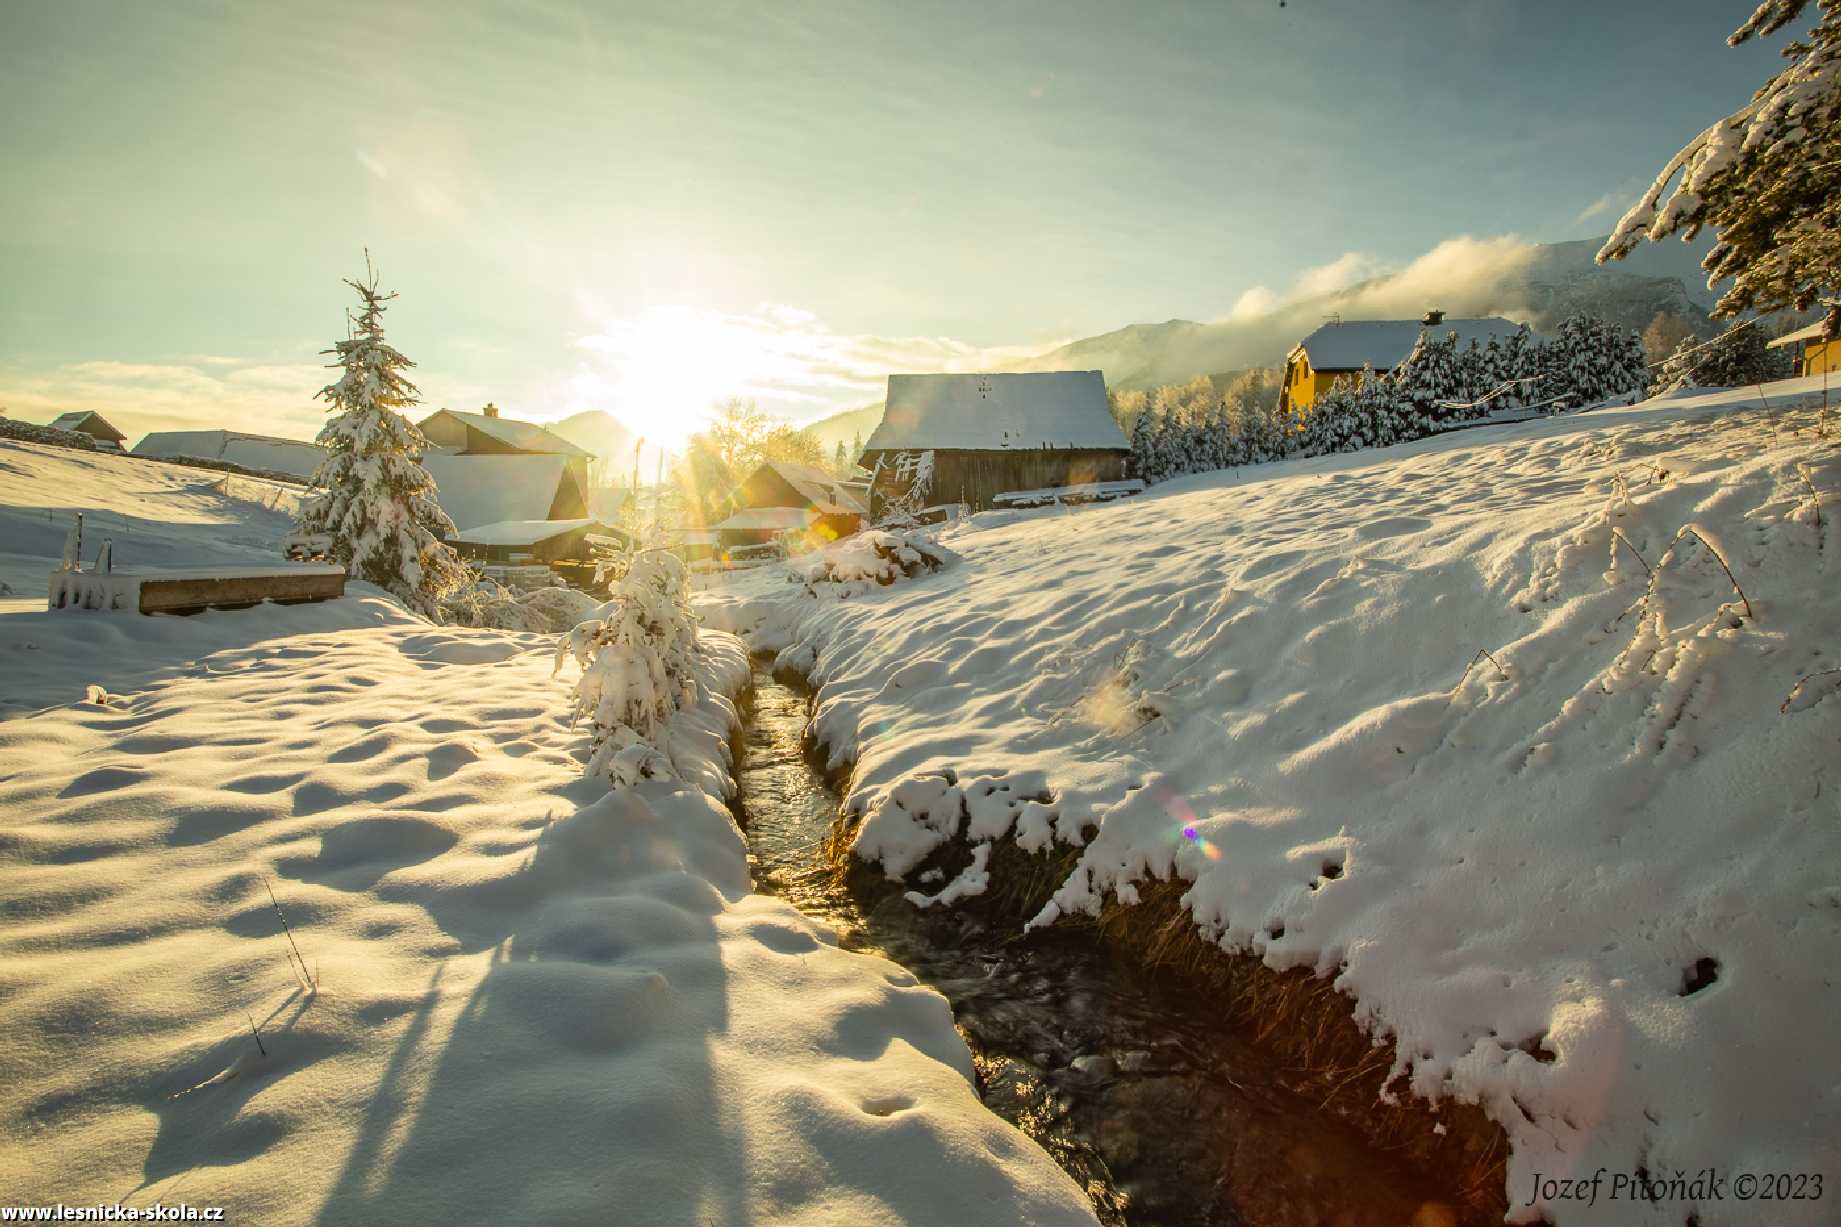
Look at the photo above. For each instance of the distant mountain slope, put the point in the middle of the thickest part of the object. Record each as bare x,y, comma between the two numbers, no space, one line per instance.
844,427
1539,283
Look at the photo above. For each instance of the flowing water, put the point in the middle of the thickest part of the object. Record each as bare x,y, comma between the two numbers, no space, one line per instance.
1125,1076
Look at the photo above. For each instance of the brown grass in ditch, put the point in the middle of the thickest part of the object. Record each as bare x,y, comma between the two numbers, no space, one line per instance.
1302,1020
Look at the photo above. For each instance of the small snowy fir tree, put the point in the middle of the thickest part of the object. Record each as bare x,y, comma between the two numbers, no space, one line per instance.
378,502
637,656
1765,178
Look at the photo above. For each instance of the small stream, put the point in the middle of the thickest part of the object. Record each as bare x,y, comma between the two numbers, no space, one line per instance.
1124,1076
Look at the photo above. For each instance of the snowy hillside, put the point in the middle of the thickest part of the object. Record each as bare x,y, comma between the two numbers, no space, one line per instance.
517,996
156,514
1478,726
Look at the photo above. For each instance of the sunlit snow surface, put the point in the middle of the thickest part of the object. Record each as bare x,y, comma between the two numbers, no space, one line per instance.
537,1001
1270,684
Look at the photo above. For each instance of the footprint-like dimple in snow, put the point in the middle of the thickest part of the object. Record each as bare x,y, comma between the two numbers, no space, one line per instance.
887,1105
258,784
103,779
1394,526
447,758
358,751
382,844
783,939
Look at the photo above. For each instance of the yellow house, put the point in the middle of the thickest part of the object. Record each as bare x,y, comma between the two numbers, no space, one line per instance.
1813,355
1341,349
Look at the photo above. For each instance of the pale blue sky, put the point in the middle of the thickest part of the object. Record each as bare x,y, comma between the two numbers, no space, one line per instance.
638,206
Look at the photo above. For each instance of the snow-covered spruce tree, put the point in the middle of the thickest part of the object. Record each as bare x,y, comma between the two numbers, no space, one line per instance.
1590,361
378,502
1738,356
1425,381
1521,363
1378,402
1144,432
1677,370
1334,422
1765,178
636,655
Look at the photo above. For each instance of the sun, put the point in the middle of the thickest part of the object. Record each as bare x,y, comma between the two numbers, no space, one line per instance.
663,370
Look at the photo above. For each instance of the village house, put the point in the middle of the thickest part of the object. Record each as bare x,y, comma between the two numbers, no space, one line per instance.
490,469
88,422
965,439
266,453
1342,349
1813,355
783,497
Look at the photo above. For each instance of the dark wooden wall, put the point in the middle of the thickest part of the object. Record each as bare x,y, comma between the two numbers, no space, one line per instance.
975,477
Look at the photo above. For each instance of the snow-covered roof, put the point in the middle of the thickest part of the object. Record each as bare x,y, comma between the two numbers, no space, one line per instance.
296,456
478,490
1020,412
89,422
753,519
1811,333
525,436
822,490
524,532
1351,344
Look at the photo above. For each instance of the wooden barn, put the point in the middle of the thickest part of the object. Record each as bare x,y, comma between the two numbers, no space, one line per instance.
782,497
968,438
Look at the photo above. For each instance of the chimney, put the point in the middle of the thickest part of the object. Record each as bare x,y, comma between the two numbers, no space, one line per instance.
1433,318
491,410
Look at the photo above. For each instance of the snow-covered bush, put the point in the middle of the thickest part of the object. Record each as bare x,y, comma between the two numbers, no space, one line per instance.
636,655
872,558
1738,356
378,504
547,611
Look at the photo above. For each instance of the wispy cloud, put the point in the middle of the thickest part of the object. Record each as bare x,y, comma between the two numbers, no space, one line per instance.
1602,206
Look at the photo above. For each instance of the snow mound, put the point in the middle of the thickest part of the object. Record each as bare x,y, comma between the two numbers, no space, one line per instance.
869,559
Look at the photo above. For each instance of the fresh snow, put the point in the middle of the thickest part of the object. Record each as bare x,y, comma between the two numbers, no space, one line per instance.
1420,719
537,999
157,515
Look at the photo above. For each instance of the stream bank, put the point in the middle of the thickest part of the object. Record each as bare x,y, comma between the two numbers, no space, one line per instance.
1125,1075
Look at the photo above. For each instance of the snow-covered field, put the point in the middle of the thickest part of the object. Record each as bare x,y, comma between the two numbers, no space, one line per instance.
1591,879
534,999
